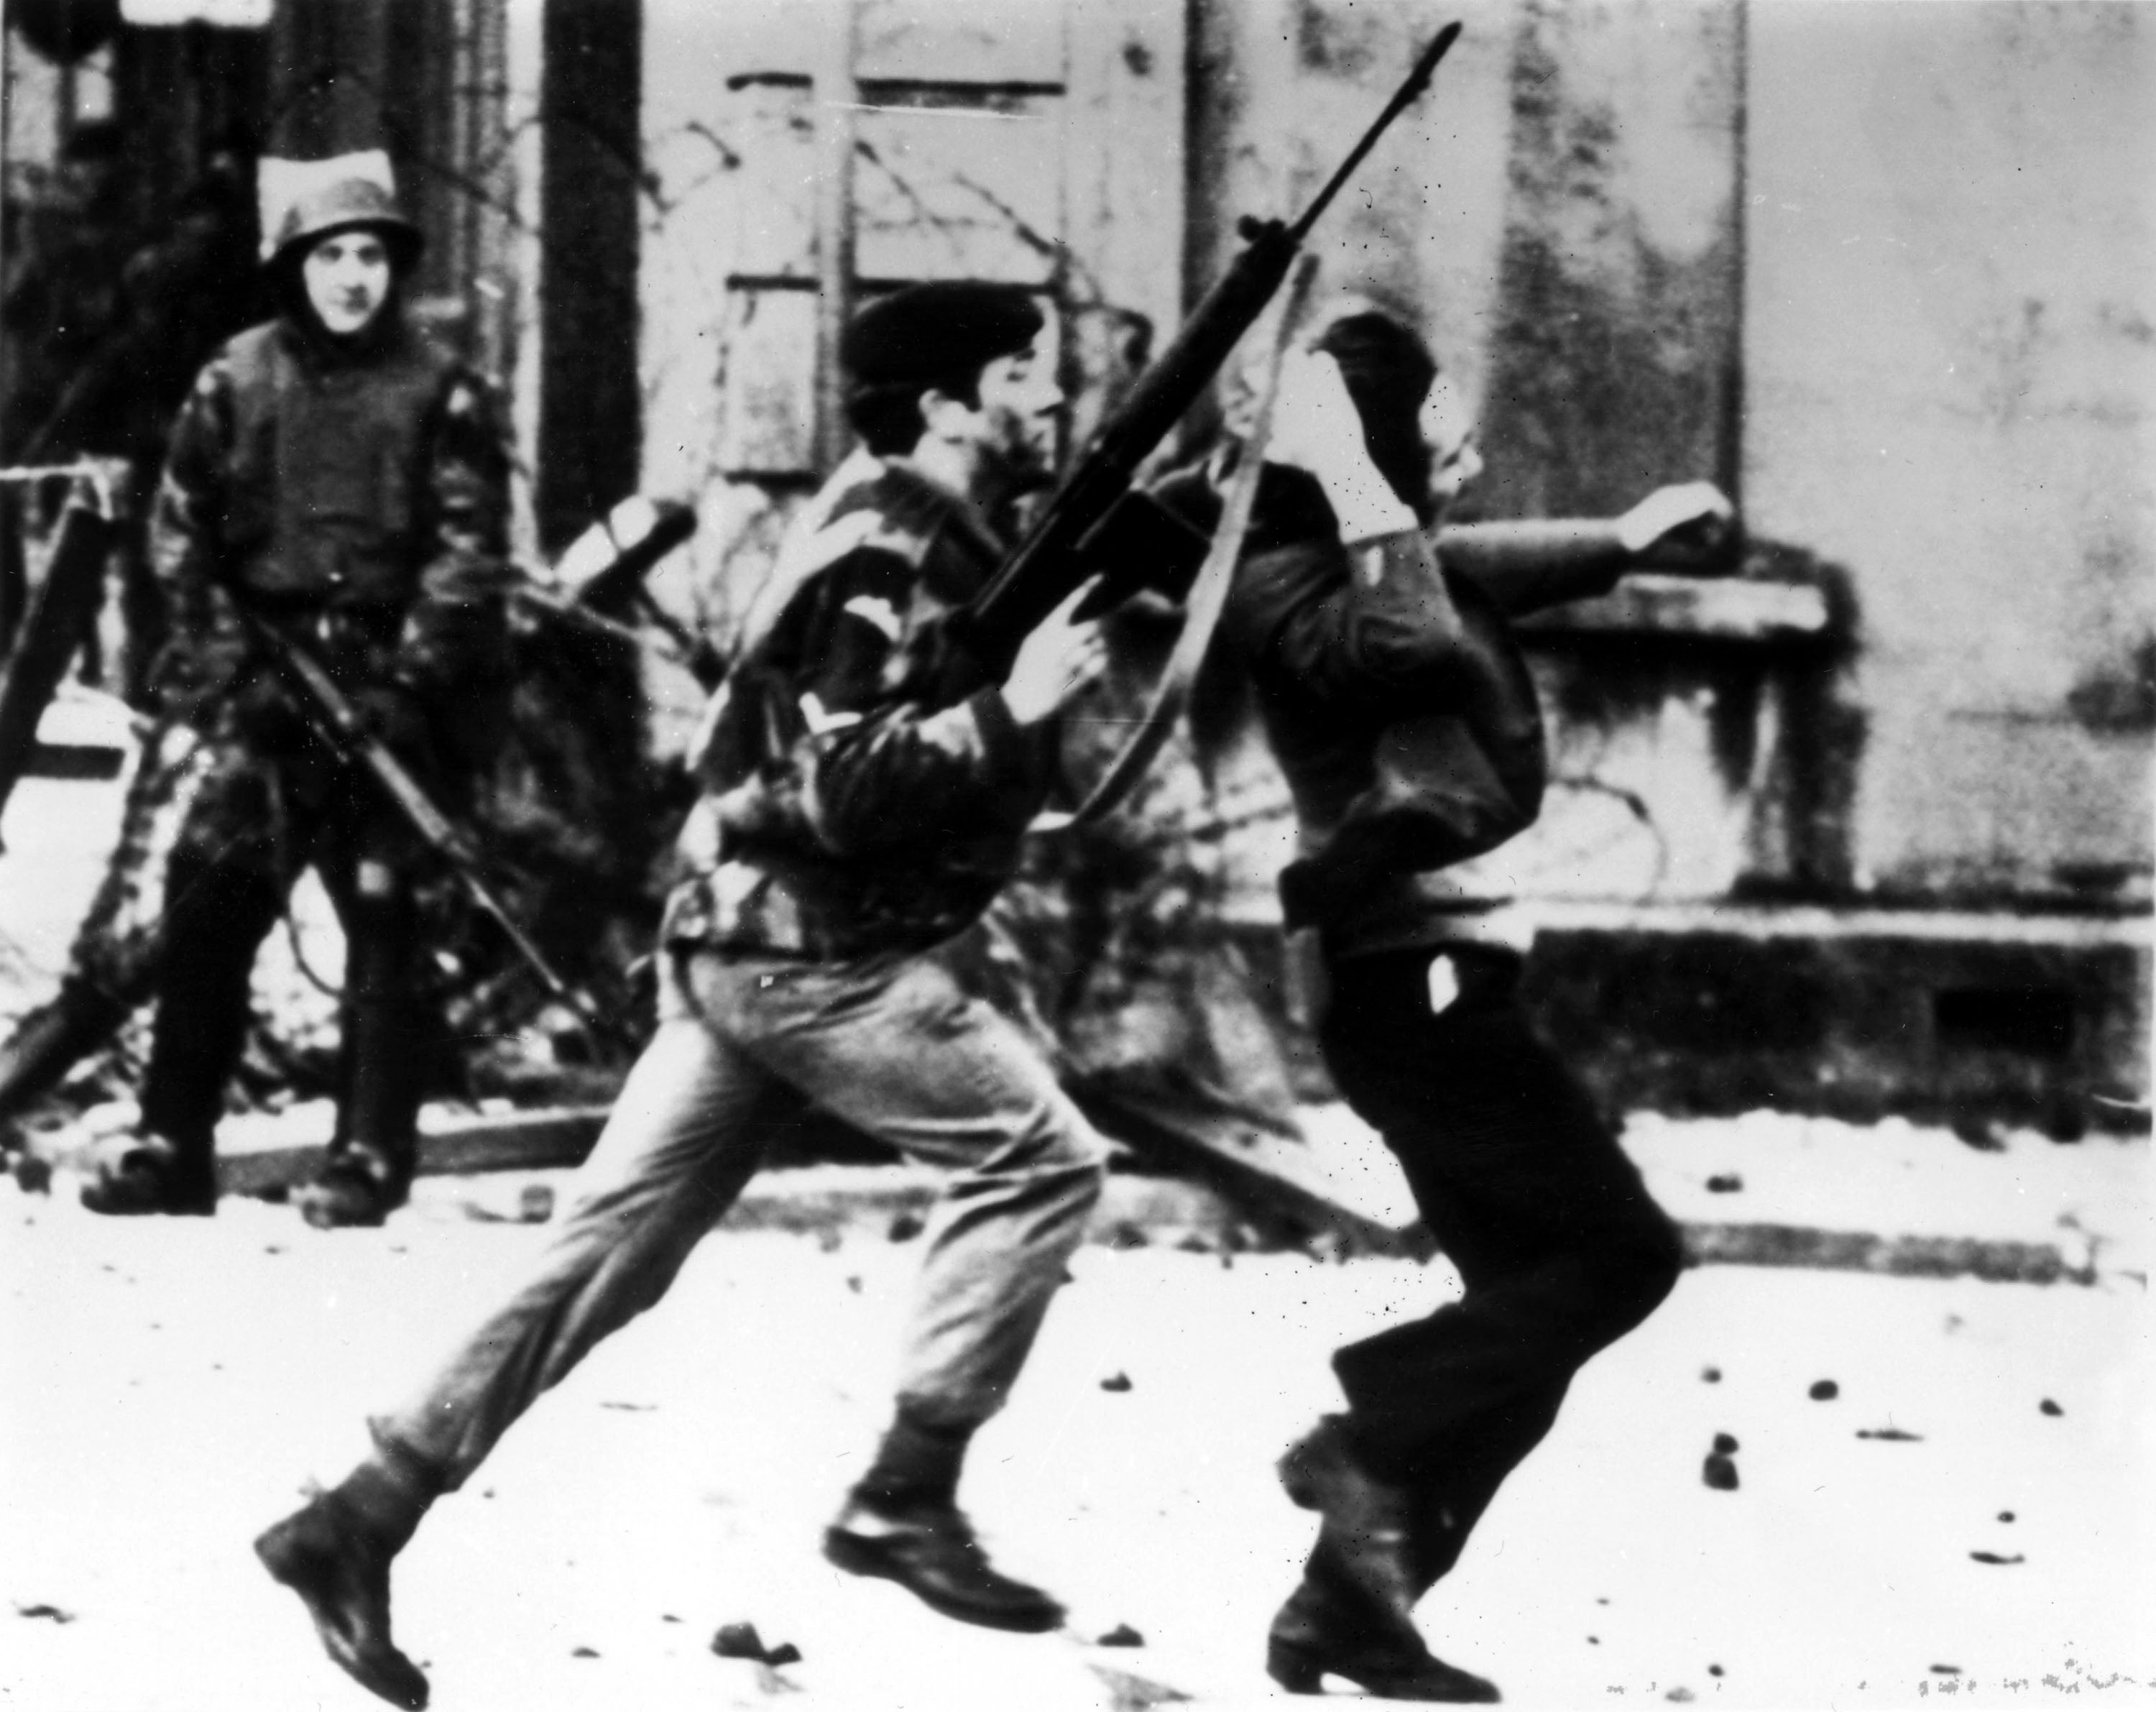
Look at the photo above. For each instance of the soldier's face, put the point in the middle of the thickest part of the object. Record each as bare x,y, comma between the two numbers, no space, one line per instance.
1020,398
347,277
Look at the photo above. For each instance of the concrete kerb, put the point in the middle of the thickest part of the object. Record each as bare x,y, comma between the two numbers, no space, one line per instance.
1137,1209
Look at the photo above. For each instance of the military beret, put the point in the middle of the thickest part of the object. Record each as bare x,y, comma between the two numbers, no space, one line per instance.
929,333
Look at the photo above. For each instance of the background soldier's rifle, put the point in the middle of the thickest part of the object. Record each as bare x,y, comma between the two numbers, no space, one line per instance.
345,730
113,966
1089,521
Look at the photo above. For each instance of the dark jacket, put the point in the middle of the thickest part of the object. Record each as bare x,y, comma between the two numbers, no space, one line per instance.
847,814
308,480
1399,708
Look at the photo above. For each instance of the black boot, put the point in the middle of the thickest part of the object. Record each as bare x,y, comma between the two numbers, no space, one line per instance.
932,1552
903,1521
1327,1628
1368,1530
356,1188
328,1554
152,1174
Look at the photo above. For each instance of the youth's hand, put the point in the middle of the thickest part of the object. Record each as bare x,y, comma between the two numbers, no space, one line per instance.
1690,528
1316,427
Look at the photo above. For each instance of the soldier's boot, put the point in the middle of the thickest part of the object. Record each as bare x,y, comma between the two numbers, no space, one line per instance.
334,1552
202,1010
901,1522
382,1064
150,1174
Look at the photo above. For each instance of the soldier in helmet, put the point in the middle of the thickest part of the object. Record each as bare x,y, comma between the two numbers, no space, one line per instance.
334,474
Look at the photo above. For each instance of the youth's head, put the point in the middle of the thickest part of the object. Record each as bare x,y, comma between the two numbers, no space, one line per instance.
1417,426
339,251
956,374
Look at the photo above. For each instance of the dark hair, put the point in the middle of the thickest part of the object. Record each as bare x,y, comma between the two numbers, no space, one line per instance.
1388,370
887,416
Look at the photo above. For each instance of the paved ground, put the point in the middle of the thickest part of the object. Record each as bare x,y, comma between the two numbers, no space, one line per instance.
168,1384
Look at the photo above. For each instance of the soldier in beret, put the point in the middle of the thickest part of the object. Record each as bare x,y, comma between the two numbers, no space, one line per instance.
851,823
336,474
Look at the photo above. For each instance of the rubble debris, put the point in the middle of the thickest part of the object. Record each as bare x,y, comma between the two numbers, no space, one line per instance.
584,1653
1682,1696
33,1176
1714,1670
50,1613
1724,1444
1123,1635
905,1226
1994,1558
1725,1183
1719,1471
1891,1434
1713,1376
2049,1407
2006,1516
1824,1390
1117,1382
740,1640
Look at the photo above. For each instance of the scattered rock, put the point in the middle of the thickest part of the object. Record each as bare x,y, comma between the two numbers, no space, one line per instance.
1979,1133
1714,1670
1713,1376
1719,1471
584,1653
1123,1635
854,1283
740,1640
1117,1382
1824,1390
1724,1445
33,1176
1946,1670
2006,1516
1891,1434
629,1408
905,1226
1680,1695
1725,1183
50,1613
828,1242
2049,1407
1994,1557
1124,1234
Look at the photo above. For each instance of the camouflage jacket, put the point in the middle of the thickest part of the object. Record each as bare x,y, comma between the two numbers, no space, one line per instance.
368,489
845,815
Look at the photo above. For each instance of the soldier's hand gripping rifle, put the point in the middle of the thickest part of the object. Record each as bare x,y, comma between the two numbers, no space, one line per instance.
1073,534
345,730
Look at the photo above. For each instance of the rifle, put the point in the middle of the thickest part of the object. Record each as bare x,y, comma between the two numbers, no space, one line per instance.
1065,542
341,726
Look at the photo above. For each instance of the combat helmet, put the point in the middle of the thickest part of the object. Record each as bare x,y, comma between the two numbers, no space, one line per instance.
305,200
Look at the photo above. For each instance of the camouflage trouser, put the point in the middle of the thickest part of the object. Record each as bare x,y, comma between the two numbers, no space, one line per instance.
215,831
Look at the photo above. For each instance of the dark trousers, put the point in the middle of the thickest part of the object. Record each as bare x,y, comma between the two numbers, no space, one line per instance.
249,837
1561,1249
